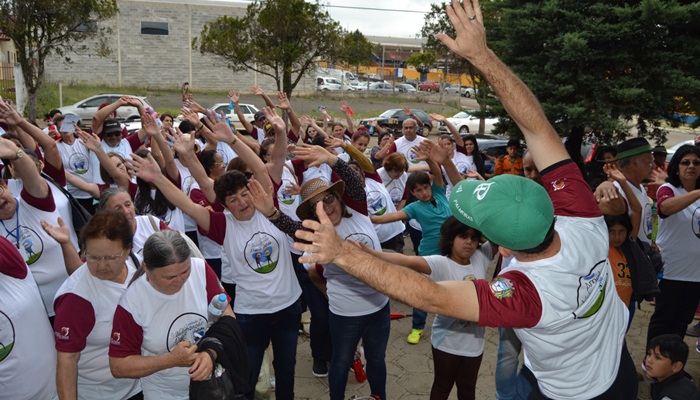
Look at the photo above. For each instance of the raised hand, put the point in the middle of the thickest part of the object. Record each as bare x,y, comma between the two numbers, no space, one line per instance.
183,143
612,171
149,125
305,119
190,116
438,117
314,155
9,114
219,128
257,90
333,142
89,140
292,189
284,103
324,243
429,150
60,233
194,106
344,107
273,118
262,197
145,168
8,149
234,96
470,39
408,111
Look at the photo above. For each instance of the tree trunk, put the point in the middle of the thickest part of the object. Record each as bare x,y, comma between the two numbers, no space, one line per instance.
33,95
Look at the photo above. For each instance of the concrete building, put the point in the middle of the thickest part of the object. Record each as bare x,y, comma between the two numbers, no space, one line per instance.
151,46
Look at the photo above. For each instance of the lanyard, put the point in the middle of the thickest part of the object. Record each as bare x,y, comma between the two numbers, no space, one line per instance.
15,232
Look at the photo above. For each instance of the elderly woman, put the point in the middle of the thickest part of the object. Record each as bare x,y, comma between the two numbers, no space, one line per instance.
85,306
679,241
356,310
160,318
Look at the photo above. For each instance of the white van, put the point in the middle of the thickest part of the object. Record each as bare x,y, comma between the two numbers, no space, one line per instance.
327,84
343,76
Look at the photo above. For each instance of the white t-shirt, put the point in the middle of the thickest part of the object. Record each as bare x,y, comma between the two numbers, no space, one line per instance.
464,164
678,239
85,308
395,187
226,152
646,224
322,171
454,336
262,264
40,251
379,202
144,230
404,147
123,149
150,323
76,160
347,295
27,354
288,204
186,182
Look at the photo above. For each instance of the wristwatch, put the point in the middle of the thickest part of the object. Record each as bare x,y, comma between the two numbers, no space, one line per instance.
20,154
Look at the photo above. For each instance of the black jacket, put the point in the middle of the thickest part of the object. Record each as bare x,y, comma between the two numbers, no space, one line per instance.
644,283
675,387
234,354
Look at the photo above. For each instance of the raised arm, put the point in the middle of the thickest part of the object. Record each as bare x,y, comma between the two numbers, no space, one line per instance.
635,206
148,170
92,143
345,109
24,166
432,152
61,235
450,126
286,106
106,112
522,106
260,92
235,97
279,150
364,162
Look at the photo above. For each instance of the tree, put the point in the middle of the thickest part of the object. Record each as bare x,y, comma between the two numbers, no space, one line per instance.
436,22
282,39
356,50
603,64
421,61
39,28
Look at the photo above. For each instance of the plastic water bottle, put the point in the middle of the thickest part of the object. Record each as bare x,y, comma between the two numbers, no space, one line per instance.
357,367
150,111
217,307
371,130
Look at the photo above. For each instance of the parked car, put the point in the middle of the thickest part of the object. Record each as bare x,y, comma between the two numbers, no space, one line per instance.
452,89
466,122
467,91
675,147
383,87
393,119
327,84
87,108
248,110
373,77
405,88
411,82
429,86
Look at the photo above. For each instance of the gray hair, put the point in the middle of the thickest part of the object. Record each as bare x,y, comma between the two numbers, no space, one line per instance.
164,248
109,193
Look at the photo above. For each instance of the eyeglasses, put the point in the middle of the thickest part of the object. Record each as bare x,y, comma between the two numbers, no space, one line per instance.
90,257
220,164
327,199
113,134
686,163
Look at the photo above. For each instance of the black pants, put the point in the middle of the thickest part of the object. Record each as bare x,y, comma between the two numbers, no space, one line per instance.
451,369
675,308
623,388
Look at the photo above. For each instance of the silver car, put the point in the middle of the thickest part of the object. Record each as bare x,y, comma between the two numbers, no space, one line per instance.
405,88
466,122
87,108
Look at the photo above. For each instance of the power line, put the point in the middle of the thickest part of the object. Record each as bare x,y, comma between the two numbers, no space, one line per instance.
378,9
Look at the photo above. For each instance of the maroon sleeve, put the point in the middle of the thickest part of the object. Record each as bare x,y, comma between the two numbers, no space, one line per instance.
510,300
214,287
75,318
374,176
104,186
254,132
570,194
392,149
198,197
405,193
461,149
134,141
11,262
275,188
163,226
133,188
39,156
127,335
299,168
664,193
58,175
217,227
45,204
292,136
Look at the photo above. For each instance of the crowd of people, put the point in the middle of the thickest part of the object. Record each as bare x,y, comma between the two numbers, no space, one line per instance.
300,215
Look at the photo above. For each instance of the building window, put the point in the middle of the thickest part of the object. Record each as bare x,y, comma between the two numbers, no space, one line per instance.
154,28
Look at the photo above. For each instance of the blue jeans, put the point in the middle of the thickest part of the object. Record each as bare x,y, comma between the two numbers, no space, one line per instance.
373,329
509,384
317,303
282,328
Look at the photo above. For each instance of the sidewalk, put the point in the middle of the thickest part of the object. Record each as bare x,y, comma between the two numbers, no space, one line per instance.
410,367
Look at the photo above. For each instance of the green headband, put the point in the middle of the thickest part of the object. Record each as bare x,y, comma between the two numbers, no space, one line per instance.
633,152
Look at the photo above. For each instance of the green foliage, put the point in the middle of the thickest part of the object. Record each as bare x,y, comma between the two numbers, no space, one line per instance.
603,64
282,39
421,61
39,28
357,50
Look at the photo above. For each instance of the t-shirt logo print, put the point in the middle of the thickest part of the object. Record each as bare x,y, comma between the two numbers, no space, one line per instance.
262,253
29,244
696,222
7,336
482,189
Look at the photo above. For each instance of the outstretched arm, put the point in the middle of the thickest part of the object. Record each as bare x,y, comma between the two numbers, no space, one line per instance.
235,97
456,299
470,43
450,126
345,109
286,106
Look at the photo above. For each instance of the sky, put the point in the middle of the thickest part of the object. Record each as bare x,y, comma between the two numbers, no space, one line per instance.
402,18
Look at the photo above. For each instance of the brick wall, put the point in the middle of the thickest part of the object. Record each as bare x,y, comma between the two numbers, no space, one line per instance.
160,61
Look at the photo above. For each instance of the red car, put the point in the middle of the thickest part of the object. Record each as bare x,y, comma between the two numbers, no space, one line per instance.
429,86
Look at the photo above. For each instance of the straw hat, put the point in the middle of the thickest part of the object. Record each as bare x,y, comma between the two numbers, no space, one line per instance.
312,188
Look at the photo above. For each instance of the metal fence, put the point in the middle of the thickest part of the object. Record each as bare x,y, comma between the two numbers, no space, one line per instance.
7,80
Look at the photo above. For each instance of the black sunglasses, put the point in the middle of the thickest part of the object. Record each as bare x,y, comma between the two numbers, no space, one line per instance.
327,199
688,162
113,134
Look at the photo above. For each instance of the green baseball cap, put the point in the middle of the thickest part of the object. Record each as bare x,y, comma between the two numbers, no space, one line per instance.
511,211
